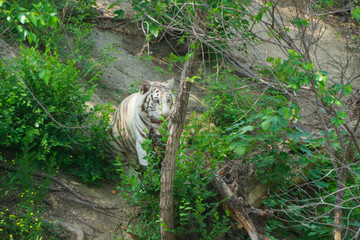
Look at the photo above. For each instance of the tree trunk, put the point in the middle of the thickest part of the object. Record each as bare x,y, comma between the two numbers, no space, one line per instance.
169,162
339,199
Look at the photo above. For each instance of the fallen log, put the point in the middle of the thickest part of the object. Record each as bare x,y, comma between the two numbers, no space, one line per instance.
246,216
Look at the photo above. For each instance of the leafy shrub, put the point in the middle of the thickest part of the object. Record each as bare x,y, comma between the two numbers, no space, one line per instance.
255,127
28,18
66,131
261,130
310,204
165,12
227,101
44,118
32,21
195,215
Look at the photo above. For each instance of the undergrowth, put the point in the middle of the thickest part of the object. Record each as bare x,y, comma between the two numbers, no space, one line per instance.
58,124
23,218
196,209
45,121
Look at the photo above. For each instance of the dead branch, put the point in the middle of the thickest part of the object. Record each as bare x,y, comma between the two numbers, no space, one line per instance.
251,219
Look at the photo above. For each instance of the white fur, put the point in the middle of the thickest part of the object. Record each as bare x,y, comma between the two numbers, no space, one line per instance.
130,123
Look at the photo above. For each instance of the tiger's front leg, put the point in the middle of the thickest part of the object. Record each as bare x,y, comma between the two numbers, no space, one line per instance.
141,154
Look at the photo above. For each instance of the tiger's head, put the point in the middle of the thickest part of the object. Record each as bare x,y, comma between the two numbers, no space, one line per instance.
158,101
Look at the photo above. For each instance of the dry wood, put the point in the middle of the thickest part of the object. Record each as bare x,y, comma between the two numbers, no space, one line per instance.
169,164
247,217
172,146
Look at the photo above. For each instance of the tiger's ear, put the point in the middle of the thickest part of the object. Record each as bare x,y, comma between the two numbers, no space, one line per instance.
145,87
169,83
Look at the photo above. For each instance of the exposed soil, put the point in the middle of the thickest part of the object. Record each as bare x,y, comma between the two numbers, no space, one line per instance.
127,69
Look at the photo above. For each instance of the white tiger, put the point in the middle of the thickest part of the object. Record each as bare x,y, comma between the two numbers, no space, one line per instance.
136,115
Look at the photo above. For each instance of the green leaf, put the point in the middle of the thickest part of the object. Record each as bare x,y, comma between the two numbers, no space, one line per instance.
19,28
341,114
26,32
33,19
355,13
44,76
154,30
31,37
338,103
246,129
22,18
54,21
119,14
347,90
339,118
194,46
192,79
299,22
188,55
308,66
265,125
112,5
239,147
274,128
258,16
42,22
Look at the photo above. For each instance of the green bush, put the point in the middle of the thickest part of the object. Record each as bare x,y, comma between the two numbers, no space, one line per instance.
195,214
227,101
254,124
258,126
57,125
38,22
27,19
44,120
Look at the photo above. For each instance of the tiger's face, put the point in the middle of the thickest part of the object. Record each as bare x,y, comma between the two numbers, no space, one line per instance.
158,101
